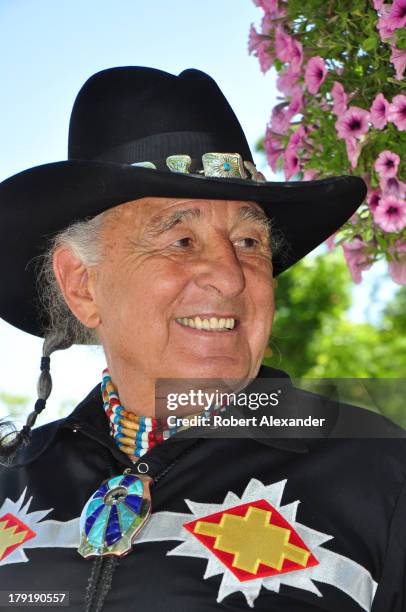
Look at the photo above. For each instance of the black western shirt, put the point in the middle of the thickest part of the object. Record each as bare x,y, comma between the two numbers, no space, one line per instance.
286,523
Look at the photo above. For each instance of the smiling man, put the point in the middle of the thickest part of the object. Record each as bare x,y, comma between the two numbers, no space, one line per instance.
189,280
159,240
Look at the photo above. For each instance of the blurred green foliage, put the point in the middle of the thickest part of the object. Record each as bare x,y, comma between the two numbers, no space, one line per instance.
313,337
17,407
14,404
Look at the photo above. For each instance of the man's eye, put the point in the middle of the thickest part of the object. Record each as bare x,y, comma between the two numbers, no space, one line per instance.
247,242
183,242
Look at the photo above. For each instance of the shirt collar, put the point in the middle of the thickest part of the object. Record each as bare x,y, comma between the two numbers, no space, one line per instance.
90,418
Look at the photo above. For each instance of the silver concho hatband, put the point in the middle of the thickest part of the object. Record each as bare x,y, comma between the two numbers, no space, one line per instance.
222,165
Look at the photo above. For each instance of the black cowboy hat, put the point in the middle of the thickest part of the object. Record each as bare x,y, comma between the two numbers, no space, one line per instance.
185,128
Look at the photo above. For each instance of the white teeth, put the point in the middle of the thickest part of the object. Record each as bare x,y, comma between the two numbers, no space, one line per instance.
212,324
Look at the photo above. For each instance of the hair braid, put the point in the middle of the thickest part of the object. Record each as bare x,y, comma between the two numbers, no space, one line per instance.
12,440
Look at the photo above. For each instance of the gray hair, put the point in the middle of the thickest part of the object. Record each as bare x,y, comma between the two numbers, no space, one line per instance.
83,238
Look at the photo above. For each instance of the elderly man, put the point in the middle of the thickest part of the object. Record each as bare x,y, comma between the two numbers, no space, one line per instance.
159,240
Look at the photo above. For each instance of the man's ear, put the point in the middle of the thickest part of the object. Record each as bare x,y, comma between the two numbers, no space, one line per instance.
76,283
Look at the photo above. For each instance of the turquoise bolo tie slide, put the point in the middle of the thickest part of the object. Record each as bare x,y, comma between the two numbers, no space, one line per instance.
114,515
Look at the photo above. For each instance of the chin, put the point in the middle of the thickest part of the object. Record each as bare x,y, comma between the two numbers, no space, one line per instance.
216,367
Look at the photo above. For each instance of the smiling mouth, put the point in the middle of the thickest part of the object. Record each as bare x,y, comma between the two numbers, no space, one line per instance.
209,324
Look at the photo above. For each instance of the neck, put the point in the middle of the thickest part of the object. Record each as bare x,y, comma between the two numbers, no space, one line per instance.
137,392
136,434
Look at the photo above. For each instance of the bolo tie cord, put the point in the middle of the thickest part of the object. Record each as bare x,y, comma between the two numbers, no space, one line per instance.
103,568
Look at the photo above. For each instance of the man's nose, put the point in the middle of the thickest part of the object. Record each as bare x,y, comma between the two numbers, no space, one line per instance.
220,269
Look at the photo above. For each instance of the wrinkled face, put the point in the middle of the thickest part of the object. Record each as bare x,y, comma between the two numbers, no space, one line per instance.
185,288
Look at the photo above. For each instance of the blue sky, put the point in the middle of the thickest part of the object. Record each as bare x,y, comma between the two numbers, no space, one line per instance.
47,50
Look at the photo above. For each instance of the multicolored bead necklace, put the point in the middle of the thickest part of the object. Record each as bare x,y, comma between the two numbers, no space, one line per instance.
136,435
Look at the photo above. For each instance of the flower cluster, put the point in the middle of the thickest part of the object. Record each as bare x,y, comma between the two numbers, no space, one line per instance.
340,73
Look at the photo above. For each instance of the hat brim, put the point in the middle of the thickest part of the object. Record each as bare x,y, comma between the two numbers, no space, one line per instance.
39,202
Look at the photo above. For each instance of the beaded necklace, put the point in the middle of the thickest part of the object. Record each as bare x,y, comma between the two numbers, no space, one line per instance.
135,435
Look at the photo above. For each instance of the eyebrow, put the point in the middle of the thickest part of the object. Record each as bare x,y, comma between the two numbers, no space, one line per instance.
161,223
249,213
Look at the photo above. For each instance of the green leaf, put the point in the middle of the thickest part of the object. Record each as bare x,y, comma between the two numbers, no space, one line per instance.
370,43
382,242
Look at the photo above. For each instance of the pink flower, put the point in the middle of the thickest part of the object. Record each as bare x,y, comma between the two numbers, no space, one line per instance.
296,103
270,6
379,111
273,148
387,164
254,39
296,139
392,186
265,58
283,44
315,74
390,214
280,119
330,244
377,4
357,258
259,45
353,123
397,15
296,54
397,112
353,151
309,174
291,164
373,199
287,81
354,219
385,9
340,98
267,24
397,267
398,59
385,28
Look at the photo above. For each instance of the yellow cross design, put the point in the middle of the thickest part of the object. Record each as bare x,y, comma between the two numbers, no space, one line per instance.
252,539
8,537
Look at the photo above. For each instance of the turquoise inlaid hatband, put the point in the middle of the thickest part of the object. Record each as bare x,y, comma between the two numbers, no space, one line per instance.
222,165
